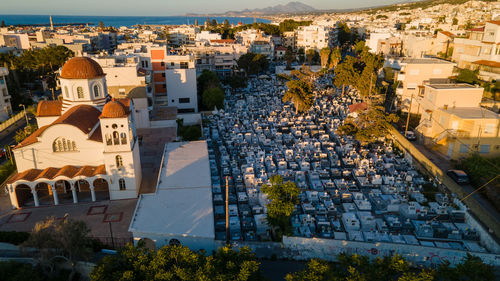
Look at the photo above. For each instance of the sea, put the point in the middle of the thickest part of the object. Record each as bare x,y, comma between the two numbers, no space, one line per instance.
118,21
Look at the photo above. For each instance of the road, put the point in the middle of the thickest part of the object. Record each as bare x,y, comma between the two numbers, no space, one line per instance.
7,136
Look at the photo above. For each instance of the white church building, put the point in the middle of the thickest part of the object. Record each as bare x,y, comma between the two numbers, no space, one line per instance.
86,147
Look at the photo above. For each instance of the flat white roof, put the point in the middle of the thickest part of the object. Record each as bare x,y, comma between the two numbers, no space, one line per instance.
182,204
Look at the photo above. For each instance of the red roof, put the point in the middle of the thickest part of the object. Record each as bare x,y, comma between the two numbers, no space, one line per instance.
223,41
281,48
49,108
497,22
52,173
447,33
488,63
81,68
479,29
358,107
84,117
116,109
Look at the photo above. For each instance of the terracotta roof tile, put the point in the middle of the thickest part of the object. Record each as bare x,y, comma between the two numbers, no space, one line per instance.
49,108
358,107
81,68
51,173
487,63
96,135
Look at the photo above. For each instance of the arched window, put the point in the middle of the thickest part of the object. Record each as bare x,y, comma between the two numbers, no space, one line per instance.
62,145
124,138
109,141
79,92
119,161
116,138
96,91
121,183
66,92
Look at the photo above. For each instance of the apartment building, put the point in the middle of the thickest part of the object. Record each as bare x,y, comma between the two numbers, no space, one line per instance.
315,37
182,35
413,74
174,80
220,56
480,50
453,122
247,37
5,106
289,40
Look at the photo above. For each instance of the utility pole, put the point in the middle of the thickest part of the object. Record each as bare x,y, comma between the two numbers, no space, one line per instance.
227,210
111,232
408,118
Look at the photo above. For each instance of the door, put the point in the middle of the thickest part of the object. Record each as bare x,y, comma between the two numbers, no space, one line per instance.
450,149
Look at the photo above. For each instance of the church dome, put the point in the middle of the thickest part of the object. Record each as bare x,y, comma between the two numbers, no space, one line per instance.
81,68
114,109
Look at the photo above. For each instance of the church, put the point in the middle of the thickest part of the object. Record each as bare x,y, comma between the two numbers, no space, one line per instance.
85,149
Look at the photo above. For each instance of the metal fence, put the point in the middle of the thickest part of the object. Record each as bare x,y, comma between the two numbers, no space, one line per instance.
11,121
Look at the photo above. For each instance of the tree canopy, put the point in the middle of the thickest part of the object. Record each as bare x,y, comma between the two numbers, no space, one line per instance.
283,197
300,94
253,63
177,263
213,97
355,267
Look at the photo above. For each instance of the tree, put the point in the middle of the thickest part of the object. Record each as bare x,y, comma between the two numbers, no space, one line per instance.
226,23
2,24
455,21
335,57
66,240
177,263
17,271
283,198
22,134
468,76
236,81
214,22
373,124
345,74
325,56
253,63
300,94
213,97
310,55
289,58
344,33
208,79
301,55
101,25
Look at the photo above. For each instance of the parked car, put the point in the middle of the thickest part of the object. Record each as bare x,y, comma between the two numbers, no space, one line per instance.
458,176
410,135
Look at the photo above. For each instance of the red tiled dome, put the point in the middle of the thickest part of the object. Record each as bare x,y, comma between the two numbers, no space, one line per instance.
81,68
114,109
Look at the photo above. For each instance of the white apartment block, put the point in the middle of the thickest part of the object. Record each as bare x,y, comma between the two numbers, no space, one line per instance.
315,37
5,107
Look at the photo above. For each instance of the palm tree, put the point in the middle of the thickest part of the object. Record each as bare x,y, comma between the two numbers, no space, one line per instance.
300,94
335,57
325,56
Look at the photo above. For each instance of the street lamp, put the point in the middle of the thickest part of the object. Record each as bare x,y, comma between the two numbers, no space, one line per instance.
25,115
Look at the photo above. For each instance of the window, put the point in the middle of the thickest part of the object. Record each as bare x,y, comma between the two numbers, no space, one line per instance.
163,74
172,63
79,92
66,92
184,100
437,71
464,148
4,92
162,64
485,148
108,139
96,91
489,129
119,161
184,65
415,72
121,183
124,138
116,138
63,145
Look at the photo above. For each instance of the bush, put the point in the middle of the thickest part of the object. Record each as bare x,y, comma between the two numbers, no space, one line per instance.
213,97
16,271
6,170
13,237
189,133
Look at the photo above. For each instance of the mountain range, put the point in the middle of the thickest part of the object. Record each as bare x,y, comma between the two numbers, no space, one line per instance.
290,8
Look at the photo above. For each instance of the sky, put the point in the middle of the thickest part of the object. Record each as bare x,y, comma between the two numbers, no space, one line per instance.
160,7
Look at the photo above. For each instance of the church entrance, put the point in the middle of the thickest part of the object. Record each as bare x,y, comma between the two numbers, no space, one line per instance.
101,188
64,193
24,196
44,193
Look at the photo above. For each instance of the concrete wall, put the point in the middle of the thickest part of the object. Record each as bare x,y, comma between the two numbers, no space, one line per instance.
181,83
328,249
190,118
